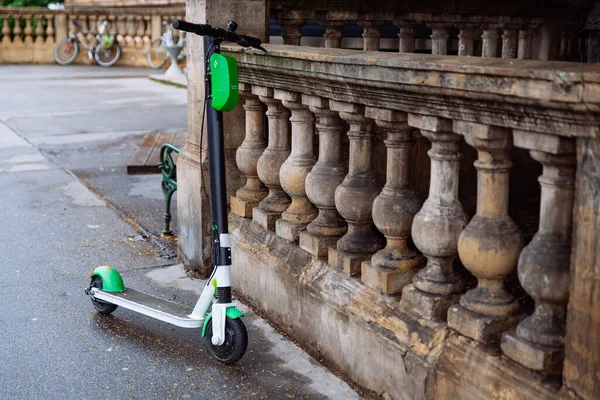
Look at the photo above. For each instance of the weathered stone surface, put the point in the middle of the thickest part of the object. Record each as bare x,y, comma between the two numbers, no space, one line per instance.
317,245
582,364
480,327
350,263
548,359
264,218
426,305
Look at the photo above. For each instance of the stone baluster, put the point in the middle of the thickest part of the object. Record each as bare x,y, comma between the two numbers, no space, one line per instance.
490,244
538,342
39,29
489,45
354,196
84,23
146,38
439,38
121,29
5,30
17,31
333,33
437,225
269,163
139,33
28,29
325,230
248,196
525,48
93,27
130,32
50,31
370,34
393,267
510,41
294,170
291,30
406,35
466,40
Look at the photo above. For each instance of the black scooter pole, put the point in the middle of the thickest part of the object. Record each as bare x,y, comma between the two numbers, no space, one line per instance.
216,162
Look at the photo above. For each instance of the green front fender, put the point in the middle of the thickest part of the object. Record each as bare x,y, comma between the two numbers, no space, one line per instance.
231,313
111,279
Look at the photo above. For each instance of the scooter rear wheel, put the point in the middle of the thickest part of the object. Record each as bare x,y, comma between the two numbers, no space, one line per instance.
236,341
101,306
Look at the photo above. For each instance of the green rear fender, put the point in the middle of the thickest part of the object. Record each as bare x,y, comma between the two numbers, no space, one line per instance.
231,313
111,279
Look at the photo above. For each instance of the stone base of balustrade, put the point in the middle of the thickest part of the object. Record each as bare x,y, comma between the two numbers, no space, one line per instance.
350,263
426,305
318,246
361,333
388,280
241,207
545,359
288,230
479,327
265,219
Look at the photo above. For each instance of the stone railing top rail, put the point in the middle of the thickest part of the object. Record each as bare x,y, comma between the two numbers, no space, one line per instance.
5,11
549,97
554,8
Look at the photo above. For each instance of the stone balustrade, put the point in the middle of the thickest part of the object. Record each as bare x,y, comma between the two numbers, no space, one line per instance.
435,262
28,35
536,36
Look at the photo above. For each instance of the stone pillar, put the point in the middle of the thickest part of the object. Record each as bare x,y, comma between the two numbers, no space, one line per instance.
294,170
333,34
192,210
437,225
28,31
393,267
39,29
156,27
406,35
354,196
269,163
510,42
50,31
525,46
61,23
248,196
538,342
466,40
321,182
439,39
17,29
582,343
370,34
291,30
490,245
489,44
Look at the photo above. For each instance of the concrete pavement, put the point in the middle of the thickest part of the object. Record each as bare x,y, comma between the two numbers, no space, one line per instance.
59,138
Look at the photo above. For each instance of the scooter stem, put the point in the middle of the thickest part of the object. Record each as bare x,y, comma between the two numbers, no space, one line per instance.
216,162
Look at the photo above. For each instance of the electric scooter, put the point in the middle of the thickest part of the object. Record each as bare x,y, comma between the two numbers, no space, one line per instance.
223,328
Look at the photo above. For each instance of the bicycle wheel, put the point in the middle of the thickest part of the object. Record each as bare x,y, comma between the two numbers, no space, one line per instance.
65,51
107,56
157,54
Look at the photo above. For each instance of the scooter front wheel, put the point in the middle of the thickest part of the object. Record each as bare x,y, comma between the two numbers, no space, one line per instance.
101,306
236,341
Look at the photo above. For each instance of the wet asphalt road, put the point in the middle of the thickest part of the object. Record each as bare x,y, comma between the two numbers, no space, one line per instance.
61,130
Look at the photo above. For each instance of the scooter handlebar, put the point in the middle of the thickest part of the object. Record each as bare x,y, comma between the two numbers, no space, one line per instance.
207,30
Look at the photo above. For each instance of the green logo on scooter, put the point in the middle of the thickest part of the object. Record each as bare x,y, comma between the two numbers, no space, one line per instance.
224,82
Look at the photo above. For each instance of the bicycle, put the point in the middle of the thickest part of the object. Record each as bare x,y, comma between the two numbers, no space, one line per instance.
104,50
158,55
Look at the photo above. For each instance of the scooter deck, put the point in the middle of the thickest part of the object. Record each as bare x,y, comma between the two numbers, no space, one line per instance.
152,306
